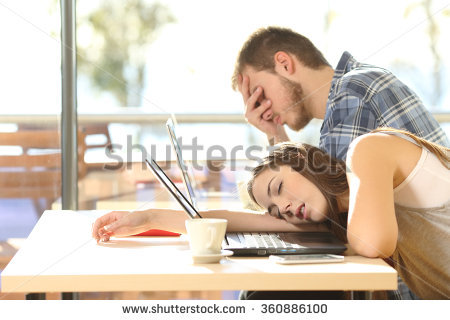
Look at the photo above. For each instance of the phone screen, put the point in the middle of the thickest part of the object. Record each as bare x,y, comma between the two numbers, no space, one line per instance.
307,258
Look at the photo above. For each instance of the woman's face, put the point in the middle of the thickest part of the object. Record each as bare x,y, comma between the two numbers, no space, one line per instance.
288,195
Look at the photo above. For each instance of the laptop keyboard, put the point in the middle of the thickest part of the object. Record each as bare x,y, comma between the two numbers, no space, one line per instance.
263,240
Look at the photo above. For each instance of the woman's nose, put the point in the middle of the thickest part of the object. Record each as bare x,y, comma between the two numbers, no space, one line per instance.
285,207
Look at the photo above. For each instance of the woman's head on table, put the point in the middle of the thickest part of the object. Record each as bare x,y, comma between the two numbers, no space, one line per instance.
300,183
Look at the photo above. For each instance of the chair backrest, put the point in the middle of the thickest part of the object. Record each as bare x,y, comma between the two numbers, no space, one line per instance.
32,167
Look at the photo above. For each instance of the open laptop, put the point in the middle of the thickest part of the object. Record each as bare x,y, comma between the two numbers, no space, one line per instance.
193,192
258,243
185,175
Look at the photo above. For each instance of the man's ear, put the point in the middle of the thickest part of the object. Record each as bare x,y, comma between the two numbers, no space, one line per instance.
284,63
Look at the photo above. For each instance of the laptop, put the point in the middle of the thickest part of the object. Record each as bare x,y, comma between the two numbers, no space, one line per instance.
189,182
258,243
185,176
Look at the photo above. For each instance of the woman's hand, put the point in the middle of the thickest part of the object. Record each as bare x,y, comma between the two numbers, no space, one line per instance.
120,224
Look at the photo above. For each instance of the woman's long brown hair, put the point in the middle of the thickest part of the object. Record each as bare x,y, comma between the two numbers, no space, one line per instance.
325,172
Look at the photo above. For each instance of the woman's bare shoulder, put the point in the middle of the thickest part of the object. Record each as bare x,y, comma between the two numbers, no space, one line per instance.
381,149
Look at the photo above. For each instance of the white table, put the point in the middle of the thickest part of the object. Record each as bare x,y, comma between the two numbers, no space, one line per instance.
60,256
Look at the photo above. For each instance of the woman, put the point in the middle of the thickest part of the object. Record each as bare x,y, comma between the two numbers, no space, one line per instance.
397,199
396,192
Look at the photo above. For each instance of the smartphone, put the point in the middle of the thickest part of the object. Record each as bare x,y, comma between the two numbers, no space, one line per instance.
306,258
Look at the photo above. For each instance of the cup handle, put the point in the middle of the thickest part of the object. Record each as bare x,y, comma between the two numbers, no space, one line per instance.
212,236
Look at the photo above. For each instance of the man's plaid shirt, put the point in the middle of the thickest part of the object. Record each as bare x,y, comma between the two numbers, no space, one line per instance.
364,97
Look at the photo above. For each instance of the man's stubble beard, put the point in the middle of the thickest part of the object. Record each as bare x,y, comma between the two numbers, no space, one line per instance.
297,106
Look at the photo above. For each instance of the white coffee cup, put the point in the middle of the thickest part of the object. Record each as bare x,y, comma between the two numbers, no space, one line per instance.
206,235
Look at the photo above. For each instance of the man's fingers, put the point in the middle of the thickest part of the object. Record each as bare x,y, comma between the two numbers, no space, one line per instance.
260,109
252,102
256,114
267,115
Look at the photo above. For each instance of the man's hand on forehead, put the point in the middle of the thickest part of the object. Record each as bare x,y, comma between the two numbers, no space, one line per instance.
258,109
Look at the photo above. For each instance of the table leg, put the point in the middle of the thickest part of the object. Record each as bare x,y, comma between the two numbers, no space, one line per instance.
361,295
368,295
35,296
70,296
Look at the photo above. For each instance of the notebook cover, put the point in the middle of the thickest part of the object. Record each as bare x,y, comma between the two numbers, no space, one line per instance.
157,233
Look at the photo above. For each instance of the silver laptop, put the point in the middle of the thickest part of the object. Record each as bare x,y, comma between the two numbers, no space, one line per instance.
258,243
191,186
185,174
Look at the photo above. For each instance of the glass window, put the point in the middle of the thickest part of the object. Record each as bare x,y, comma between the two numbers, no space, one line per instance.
141,61
182,61
30,160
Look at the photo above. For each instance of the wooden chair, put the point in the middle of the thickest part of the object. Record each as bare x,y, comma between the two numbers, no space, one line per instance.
88,129
98,129
34,170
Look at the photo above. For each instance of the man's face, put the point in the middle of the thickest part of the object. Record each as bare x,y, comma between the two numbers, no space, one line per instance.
288,103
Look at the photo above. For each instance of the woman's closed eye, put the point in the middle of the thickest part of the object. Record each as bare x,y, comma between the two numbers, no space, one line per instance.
280,187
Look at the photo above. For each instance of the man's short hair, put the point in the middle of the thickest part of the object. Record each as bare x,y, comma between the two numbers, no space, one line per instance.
259,50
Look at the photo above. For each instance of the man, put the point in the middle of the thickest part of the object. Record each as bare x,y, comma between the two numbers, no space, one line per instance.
284,79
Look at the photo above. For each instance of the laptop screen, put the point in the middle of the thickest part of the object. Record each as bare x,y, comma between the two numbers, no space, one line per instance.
176,193
181,164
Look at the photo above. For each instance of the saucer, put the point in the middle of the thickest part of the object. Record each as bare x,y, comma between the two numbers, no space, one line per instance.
212,258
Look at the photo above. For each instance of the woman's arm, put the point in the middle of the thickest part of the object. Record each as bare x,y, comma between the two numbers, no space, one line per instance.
125,223
377,163
255,221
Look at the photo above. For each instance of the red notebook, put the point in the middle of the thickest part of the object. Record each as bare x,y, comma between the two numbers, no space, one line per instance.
157,233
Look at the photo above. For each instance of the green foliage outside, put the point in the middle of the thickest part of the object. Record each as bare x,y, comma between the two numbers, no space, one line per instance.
119,33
